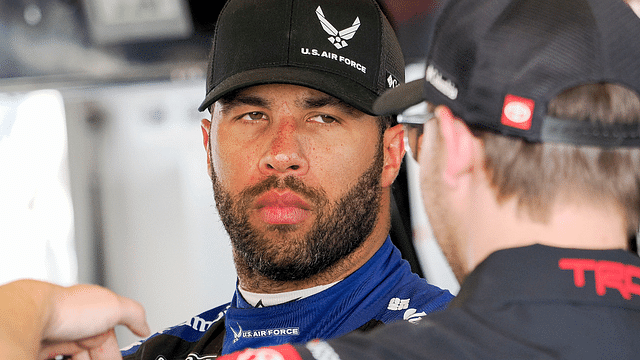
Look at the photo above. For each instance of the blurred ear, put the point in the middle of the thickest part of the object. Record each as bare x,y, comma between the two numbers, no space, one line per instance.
461,147
205,125
393,154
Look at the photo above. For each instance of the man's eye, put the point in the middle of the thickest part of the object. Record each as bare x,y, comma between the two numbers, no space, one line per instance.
253,116
323,119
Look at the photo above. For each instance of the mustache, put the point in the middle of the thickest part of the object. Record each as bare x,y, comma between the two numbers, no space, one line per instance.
314,195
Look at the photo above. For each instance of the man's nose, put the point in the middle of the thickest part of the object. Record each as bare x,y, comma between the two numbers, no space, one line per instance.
285,153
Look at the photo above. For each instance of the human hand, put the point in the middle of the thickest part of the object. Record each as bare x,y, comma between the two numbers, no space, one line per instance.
83,319
45,320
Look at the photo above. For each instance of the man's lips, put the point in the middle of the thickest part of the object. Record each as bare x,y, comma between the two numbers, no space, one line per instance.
282,207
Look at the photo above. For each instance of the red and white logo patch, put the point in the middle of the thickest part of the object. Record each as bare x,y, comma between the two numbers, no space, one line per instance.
278,352
517,112
260,354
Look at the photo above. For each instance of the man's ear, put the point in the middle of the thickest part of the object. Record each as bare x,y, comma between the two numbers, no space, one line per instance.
205,125
460,146
393,143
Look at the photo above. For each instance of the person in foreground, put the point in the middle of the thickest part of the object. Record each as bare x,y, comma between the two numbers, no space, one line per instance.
530,174
302,171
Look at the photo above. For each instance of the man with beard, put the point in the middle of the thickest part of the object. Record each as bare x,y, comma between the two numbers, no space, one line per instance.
302,171
530,175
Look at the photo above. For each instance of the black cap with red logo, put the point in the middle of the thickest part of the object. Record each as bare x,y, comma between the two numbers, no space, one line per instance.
346,49
497,64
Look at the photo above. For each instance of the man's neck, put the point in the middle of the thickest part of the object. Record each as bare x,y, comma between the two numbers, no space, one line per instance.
578,224
265,300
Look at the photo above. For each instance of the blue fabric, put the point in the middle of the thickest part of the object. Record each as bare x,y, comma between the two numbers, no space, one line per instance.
383,289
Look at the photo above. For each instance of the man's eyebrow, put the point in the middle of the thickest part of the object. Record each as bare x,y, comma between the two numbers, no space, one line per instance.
315,102
230,102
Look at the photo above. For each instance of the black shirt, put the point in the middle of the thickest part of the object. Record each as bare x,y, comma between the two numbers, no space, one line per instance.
534,302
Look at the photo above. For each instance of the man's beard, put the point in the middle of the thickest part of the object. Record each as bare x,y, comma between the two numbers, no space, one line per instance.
339,228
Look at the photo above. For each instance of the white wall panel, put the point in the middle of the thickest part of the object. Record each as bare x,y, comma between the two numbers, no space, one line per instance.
144,167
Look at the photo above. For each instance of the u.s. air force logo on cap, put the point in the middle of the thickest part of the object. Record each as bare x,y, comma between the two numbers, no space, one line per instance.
337,38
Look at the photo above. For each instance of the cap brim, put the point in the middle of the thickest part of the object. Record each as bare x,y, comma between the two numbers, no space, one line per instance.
396,100
337,86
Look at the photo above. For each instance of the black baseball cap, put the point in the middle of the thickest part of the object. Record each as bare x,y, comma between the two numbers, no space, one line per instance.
498,63
346,49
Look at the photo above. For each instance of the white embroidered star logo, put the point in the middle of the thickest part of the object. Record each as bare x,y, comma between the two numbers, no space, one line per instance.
337,38
236,334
